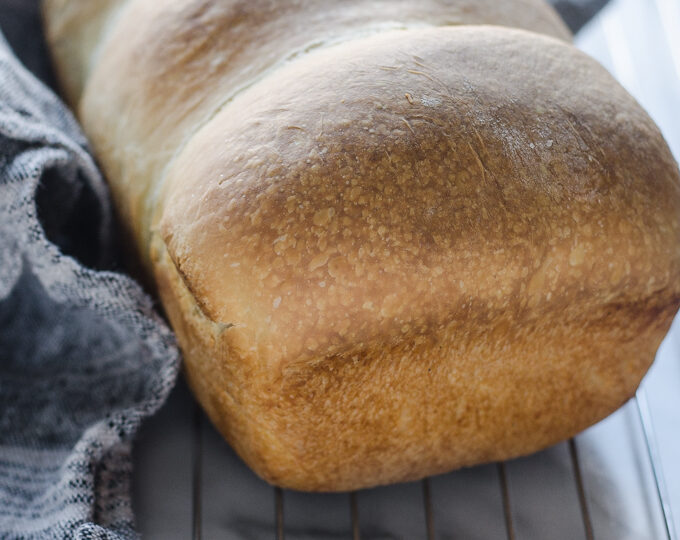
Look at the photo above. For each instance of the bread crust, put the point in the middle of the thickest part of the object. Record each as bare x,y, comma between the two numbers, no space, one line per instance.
165,68
401,249
443,259
421,407
426,181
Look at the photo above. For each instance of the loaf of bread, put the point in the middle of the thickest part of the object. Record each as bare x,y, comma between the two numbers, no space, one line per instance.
393,237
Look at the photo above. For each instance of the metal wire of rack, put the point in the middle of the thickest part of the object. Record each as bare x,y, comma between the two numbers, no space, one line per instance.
429,529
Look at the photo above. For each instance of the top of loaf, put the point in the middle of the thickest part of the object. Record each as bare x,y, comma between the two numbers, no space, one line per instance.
77,28
400,183
163,69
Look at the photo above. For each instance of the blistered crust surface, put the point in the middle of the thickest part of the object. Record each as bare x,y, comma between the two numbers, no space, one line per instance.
168,66
470,392
393,185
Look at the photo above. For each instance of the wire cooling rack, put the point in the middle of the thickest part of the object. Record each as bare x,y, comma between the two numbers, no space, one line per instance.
423,506
618,480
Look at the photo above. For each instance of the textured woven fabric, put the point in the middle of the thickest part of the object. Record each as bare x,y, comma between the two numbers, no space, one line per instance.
83,356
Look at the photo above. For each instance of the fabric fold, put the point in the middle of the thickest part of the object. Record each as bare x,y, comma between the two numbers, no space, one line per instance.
84,358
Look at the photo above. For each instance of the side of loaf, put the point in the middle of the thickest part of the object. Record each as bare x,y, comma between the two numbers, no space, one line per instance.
412,247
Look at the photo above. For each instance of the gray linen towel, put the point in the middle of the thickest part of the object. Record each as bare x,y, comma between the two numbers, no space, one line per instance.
83,356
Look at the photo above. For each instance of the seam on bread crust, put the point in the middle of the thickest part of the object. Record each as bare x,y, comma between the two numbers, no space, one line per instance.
183,277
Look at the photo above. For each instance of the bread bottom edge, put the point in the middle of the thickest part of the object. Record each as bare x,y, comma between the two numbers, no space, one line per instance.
423,406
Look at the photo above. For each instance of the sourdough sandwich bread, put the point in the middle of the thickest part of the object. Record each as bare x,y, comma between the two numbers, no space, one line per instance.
393,238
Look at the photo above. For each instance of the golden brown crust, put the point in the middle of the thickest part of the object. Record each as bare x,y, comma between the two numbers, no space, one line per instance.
409,248
440,260
473,392
176,62
430,183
